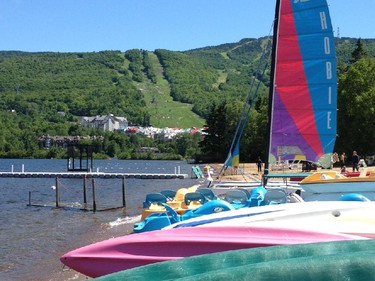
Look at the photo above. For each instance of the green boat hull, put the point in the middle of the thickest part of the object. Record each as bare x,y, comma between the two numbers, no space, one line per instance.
343,260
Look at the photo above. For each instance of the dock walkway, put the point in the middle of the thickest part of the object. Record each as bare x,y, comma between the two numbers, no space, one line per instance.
90,175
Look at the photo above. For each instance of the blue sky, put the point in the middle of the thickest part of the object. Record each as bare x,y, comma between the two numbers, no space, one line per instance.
178,25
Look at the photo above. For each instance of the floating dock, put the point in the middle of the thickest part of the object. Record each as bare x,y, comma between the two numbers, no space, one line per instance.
90,175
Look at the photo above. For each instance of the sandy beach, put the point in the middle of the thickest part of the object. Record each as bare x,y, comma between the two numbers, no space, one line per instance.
245,172
249,172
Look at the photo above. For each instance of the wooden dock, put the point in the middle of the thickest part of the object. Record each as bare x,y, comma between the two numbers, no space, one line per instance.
90,175
85,175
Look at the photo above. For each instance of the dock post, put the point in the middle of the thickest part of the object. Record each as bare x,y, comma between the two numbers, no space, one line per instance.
123,192
93,195
57,193
29,198
84,190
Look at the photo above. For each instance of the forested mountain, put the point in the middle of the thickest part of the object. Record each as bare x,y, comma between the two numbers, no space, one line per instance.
47,93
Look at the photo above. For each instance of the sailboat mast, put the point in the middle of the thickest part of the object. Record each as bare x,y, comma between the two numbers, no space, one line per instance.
272,84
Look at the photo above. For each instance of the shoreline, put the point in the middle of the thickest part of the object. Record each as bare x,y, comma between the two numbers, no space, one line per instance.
248,172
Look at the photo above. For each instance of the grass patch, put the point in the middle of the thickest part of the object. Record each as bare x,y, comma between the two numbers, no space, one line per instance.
163,110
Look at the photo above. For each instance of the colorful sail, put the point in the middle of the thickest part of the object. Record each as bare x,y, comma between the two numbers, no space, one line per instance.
304,89
233,159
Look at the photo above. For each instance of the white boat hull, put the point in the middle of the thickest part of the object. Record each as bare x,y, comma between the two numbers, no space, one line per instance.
348,217
222,187
340,187
335,182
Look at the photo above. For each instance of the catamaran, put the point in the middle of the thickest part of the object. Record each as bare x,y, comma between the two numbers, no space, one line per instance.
303,89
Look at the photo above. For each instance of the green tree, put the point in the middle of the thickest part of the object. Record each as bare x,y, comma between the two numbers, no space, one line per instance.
216,143
356,103
188,145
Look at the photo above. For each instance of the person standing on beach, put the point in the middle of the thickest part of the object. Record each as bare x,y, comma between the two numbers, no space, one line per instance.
259,165
355,161
342,159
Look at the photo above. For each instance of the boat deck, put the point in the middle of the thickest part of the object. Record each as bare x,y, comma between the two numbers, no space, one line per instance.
287,175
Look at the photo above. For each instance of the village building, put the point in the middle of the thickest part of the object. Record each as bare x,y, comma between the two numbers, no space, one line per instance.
105,122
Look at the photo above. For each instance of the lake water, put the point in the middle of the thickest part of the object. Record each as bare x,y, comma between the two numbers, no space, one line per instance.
32,239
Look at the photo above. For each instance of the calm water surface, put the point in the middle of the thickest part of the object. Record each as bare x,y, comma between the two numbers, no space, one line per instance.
33,238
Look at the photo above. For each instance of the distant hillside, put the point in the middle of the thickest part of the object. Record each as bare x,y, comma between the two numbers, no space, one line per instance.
345,46
47,92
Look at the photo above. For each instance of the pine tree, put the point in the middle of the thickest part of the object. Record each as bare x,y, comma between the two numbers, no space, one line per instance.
359,52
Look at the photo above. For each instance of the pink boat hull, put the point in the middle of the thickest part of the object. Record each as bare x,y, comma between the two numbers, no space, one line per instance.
135,250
